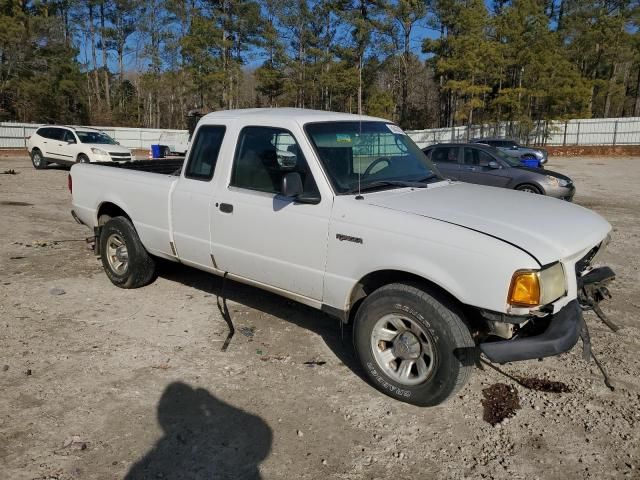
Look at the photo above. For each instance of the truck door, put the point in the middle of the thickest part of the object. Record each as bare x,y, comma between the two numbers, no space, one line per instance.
259,234
192,197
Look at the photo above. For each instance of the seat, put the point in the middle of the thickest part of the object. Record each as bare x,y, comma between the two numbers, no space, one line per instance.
256,165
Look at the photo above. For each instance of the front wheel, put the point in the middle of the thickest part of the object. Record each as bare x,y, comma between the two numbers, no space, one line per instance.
124,258
82,158
528,188
413,344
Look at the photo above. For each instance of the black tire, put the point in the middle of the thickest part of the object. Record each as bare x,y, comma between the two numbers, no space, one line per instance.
82,158
38,161
527,187
454,351
165,152
140,267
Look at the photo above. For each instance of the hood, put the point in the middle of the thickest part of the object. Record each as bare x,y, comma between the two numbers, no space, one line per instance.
547,228
109,148
544,171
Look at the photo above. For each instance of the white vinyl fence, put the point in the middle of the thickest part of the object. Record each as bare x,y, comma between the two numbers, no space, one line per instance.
14,135
591,131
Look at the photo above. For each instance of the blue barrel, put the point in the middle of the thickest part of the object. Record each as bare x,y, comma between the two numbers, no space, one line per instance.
530,162
156,151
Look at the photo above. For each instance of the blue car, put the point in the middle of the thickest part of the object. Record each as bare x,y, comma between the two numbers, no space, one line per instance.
529,157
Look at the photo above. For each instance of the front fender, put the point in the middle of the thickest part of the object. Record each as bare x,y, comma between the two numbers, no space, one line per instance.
473,267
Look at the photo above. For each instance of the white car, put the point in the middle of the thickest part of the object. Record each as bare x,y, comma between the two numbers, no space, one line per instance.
66,145
345,214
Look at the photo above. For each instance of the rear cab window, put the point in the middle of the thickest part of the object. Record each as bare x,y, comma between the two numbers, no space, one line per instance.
204,152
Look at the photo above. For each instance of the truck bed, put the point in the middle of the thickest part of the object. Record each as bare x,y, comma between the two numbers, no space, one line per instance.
162,166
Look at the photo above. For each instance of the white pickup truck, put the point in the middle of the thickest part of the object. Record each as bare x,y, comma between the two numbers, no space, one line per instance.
344,213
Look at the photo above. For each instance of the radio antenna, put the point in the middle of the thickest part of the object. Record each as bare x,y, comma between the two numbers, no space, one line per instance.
359,196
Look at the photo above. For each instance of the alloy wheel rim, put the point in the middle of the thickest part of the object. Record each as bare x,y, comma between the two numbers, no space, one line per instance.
403,349
36,159
117,254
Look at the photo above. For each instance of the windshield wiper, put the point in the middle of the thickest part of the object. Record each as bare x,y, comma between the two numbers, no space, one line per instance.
430,177
387,183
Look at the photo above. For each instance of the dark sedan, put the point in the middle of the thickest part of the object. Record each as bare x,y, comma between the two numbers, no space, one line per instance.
512,148
485,165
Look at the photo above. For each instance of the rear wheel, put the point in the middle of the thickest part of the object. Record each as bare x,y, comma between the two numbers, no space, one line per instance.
526,187
124,258
38,161
413,344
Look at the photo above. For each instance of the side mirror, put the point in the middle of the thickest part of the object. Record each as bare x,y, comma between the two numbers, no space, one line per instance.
292,188
493,164
291,185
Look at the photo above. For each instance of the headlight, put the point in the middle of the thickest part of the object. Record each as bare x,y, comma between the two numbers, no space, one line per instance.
530,288
562,182
552,180
99,152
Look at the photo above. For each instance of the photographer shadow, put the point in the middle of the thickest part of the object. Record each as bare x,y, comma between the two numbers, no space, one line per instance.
204,438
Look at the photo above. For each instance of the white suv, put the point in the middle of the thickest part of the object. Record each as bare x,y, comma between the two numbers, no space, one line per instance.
69,145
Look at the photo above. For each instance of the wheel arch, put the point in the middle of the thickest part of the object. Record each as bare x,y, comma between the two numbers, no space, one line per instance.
108,210
379,278
530,183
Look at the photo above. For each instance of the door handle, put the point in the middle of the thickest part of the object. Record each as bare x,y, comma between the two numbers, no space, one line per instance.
226,208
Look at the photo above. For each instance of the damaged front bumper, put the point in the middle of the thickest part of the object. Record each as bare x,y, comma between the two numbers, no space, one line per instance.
557,333
560,336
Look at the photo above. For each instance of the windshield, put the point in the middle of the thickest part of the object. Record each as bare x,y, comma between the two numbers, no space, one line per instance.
360,154
95,137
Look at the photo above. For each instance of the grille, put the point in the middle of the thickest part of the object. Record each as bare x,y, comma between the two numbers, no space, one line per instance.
126,157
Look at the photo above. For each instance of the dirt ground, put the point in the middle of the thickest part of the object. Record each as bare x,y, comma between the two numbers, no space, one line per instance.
99,382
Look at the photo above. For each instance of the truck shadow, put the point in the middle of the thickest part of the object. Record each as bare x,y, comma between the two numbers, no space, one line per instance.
203,437
338,339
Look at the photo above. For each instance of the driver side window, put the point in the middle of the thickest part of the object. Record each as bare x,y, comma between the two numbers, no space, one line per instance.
264,155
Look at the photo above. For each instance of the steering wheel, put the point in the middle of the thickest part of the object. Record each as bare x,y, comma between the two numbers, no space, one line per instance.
400,144
374,163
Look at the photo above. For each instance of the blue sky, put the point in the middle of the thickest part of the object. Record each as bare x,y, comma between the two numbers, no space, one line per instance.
253,59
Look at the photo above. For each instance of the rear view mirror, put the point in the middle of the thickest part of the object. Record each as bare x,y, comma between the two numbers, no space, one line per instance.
287,160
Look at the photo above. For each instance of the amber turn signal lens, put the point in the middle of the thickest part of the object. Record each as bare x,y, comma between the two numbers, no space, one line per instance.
524,290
